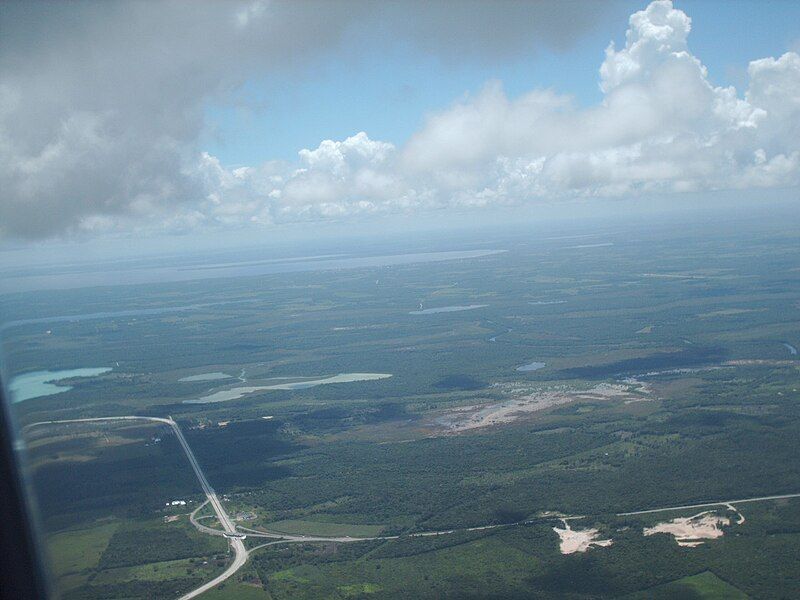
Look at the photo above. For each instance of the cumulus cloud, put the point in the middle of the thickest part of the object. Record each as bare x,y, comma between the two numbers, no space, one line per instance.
94,135
101,103
662,126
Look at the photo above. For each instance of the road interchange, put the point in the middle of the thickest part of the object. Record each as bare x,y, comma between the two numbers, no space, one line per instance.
236,536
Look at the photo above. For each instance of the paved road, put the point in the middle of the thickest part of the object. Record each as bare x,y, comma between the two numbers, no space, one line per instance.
234,537
223,517
240,557
281,538
200,527
706,504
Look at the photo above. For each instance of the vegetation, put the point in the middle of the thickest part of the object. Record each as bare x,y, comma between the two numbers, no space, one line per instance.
692,325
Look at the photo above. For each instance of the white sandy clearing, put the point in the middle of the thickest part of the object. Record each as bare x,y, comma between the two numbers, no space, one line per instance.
524,401
692,531
578,540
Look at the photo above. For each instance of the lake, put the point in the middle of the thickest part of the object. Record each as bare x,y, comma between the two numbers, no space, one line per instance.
240,391
137,312
96,275
206,377
446,309
533,366
37,384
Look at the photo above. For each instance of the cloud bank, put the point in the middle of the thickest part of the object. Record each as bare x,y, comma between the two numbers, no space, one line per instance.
85,156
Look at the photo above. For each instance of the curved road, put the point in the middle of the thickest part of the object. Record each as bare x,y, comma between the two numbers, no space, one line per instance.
707,504
238,562
234,537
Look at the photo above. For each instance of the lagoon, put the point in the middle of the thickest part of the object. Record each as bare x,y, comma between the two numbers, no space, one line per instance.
446,309
37,384
238,392
216,375
99,274
115,314
533,366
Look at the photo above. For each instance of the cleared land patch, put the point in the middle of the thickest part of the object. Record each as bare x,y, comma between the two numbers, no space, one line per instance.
692,531
524,401
578,540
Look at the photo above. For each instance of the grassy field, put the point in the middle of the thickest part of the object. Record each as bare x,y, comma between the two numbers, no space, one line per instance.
73,551
703,586
152,554
237,591
158,571
467,568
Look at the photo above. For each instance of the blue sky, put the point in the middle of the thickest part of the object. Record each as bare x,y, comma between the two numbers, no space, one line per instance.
388,94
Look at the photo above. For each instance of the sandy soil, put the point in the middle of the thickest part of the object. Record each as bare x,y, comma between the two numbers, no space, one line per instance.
524,401
692,531
578,540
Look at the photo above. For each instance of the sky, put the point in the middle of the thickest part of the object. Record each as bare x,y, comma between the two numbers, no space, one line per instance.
132,119
388,95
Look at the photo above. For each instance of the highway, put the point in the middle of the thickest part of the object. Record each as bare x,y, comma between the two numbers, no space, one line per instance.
223,517
199,526
240,557
707,504
234,537
169,422
283,538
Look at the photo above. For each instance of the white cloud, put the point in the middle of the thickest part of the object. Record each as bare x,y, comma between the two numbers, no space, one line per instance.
662,126
94,133
655,35
339,158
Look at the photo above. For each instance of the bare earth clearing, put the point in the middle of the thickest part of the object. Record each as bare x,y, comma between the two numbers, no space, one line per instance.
524,401
692,531
578,540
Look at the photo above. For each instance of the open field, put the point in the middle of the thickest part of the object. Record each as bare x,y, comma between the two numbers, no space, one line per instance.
704,586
